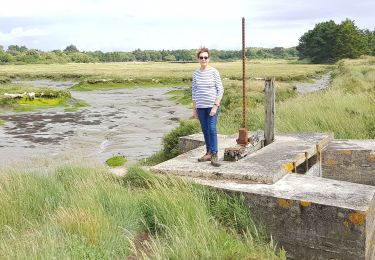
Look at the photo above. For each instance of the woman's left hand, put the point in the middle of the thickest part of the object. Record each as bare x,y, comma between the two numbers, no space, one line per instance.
213,111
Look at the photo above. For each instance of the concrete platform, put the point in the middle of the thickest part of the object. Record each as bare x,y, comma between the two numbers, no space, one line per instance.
267,165
312,217
350,160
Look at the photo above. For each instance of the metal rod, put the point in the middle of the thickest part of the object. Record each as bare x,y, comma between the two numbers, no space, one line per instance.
243,72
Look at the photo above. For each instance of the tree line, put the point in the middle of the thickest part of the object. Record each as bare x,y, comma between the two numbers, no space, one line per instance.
16,54
329,42
326,43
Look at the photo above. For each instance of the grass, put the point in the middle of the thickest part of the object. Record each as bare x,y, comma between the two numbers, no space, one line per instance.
346,108
94,84
120,75
116,160
80,212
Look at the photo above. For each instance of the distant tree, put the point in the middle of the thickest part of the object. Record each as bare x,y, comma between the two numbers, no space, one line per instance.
58,52
184,55
80,57
318,44
17,48
170,58
350,41
1,47
5,57
371,41
278,52
71,48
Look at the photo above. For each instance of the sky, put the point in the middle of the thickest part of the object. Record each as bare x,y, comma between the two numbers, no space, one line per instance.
126,25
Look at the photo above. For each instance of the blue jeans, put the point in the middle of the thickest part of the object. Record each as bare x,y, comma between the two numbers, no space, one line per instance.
208,125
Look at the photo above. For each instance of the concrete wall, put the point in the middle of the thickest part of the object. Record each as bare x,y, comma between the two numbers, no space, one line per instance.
190,142
312,217
312,231
350,160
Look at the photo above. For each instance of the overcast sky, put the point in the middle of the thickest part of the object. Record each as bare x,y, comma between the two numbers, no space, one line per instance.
115,25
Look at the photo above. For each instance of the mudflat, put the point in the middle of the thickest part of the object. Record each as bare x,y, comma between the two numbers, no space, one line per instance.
130,122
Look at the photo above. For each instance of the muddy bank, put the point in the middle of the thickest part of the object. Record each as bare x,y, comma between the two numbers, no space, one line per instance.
130,122
46,83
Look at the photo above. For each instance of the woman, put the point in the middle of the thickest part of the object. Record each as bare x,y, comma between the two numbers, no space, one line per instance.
207,91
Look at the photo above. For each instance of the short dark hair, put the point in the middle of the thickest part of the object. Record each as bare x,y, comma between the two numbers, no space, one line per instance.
203,49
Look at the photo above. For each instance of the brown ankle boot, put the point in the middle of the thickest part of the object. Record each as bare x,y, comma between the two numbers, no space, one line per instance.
205,158
215,160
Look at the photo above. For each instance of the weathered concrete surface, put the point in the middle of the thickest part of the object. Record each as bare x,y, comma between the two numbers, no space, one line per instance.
312,217
190,142
267,165
350,160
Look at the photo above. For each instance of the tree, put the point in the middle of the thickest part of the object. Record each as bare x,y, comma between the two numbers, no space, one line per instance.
318,44
71,48
17,48
329,42
350,41
169,58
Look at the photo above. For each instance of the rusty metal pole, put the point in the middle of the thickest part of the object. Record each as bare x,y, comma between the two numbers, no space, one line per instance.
243,138
243,73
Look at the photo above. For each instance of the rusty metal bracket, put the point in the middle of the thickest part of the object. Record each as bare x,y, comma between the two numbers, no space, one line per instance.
240,151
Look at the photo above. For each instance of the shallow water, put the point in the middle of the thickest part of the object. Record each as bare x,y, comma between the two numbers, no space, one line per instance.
130,122
318,85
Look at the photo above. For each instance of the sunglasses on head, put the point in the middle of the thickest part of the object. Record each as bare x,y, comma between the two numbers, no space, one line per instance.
203,57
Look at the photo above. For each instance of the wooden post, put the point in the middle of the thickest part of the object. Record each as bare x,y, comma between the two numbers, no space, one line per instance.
269,107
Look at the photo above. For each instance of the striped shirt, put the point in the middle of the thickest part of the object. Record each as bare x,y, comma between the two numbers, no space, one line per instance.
206,87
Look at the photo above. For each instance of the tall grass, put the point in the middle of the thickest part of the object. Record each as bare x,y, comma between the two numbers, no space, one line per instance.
85,213
345,108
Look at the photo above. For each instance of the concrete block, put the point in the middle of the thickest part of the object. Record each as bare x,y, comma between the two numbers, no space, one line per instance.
190,142
350,160
312,217
266,165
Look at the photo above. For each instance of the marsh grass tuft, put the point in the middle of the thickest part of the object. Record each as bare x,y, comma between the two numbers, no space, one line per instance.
84,212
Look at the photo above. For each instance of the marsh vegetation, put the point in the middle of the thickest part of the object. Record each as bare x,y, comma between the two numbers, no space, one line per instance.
84,212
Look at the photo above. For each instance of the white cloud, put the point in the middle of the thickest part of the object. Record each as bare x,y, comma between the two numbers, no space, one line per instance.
17,33
149,24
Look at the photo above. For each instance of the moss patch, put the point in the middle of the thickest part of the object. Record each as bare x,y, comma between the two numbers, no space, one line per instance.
115,161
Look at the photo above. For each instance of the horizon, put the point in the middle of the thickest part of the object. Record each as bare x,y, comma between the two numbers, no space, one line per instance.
5,47
115,25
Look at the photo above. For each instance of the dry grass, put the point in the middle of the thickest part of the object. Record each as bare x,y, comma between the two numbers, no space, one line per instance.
280,69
